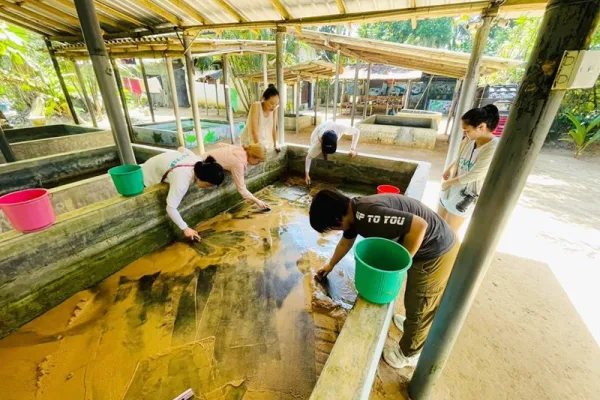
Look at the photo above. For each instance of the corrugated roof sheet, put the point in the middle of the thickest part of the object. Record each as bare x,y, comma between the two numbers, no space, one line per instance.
124,16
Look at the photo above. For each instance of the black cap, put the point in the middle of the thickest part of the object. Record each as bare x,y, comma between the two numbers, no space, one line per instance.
329,142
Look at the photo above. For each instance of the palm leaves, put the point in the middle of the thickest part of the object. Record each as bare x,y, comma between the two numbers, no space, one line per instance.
582,135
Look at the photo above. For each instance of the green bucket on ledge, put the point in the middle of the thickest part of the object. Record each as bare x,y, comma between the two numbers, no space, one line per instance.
128,179
381,266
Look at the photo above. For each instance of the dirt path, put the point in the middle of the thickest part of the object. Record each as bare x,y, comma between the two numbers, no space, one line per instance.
534,330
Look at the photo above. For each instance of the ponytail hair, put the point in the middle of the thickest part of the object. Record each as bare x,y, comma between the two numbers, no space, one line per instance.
209,171
488,114
271,91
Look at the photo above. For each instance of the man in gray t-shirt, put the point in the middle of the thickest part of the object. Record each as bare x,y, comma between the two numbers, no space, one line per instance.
425,235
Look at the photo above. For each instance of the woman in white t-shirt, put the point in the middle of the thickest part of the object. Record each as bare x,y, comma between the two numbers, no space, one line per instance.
180,169
323,141
463,180
261,126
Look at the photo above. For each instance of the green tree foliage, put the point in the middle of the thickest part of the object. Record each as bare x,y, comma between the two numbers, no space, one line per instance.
27,72
582,134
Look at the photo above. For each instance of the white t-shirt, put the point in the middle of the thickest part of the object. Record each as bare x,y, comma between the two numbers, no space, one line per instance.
473,163
179,179
315,138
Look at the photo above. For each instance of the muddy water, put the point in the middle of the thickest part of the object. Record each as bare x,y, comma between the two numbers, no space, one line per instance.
237,316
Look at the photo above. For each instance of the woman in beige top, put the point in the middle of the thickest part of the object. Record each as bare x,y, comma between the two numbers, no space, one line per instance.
236,159
463,180
261,126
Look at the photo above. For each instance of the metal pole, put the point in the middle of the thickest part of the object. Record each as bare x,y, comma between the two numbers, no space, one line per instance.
367,87
88,103
295,97
217,95
453,104
123,98
228,109
328,85
265,73
279,37
61,80
297,86
316,100
147,87
175,101
336,84
408,92
355,93
92,34
467,95
189,67
205,97
7,152
530,118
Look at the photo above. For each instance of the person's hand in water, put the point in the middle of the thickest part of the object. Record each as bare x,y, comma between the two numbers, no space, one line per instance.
191,234
323,272
262,205
353,153
277,149
307,179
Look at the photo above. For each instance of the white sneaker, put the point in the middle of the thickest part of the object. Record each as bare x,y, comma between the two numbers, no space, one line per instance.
399,321
394,358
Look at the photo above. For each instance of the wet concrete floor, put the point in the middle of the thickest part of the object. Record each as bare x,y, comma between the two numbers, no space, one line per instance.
236,316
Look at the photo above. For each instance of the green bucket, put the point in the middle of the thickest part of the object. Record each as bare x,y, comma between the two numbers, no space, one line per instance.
128,179
381,266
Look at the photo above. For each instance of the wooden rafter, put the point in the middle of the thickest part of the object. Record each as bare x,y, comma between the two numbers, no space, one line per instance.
38,17
172,18
413,20
51,11
103,19
231,10
285,14
18,20
192,12
118,14
341,6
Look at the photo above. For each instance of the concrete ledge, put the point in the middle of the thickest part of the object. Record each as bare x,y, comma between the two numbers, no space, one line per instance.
352,364
47,131
40,270
305,121
59,169
63,144
402,130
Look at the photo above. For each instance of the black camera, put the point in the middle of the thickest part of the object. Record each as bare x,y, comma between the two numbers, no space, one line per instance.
468,199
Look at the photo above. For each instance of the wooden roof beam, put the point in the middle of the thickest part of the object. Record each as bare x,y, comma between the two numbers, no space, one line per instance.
341,6
18,20
38,17
232,11
172,18
103,19
192,12
54,12
118,14
285,14
413,20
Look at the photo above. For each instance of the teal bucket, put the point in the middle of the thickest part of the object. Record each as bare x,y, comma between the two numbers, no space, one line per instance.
381,266
128,179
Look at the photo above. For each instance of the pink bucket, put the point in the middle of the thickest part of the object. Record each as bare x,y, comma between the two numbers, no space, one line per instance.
28,210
